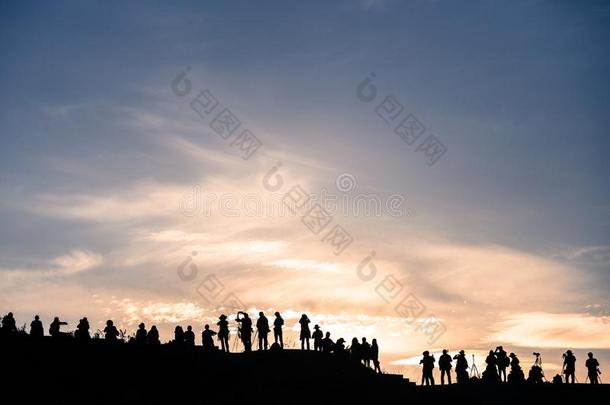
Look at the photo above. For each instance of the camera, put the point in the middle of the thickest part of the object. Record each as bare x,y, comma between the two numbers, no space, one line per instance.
536,354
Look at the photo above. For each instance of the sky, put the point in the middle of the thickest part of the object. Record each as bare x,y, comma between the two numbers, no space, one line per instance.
432,174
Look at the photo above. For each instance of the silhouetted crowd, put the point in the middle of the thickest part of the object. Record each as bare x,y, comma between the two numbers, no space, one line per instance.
497,361
359,352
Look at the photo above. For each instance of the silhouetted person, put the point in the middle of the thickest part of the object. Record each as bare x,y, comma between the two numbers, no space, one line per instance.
54,327
82,330
516,373
375,355
36,329
179,335
502,362
111,333
207,338
536,375
262,326
569,366
491,372
354,351
189,336
223,332
327,344
444,364
153,336
278,322
305,333
339,345
317,336
141,334
365,352
461,367
8,324
427,363
245,330
592,369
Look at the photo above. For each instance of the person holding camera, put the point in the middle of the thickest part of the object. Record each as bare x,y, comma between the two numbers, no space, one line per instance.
245,330
569,366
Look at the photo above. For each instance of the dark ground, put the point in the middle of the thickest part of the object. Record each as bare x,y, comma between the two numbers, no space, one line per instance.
66,372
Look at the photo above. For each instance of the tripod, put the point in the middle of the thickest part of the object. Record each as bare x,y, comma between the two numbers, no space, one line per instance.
474,371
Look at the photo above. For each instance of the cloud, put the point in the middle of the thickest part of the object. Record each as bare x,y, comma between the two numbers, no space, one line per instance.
76,261
543,329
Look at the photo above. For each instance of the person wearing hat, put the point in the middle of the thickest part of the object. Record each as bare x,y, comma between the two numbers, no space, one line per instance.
317,336
223,333
278,322
461,367
569,366
516,374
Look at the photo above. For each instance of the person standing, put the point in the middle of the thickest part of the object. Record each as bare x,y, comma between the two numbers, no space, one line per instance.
245,330
262,326
427,363
305,333
592,369
375,355
444,364
317,336
278,322
223,333
569,366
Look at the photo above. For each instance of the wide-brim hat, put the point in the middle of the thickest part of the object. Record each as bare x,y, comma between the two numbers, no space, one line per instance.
223,316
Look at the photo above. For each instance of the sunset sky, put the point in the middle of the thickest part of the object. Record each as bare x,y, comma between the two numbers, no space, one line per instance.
116,185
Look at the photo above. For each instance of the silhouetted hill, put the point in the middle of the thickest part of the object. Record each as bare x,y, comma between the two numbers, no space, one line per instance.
65,371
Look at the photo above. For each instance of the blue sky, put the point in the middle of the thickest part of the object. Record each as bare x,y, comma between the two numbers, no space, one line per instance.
97,153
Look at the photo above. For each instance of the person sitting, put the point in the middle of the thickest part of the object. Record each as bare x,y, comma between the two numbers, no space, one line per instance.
55,326
36,329
179,335
82,330
111,333
491,372
9,325
152,337
207,338
516,375
141,334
